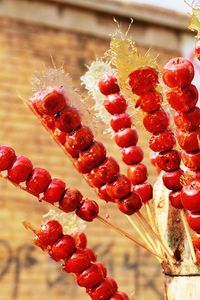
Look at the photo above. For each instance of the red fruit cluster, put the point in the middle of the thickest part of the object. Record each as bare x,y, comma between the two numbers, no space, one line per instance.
76,258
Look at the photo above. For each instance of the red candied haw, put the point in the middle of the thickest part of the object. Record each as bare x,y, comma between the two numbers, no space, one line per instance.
91,254
71,151
81,139
197,50
91,276
196,240
172,180
103,268
80,239
191,160
7,156
54,191
120,296
137,173
175,199
143,80
126,137
193,219
49,121
107,171
190,195
108,84
183,100
103,291
115,104
150,102
163,141
145,191
188,141
38,182
93,181
68,120
156,122
120,121
88,210
190,176
60,136
131,204
91,158
119,188
63,248
132,155
189,120
168,161
70,200
102,193
178,72
49,233
78,262
20,170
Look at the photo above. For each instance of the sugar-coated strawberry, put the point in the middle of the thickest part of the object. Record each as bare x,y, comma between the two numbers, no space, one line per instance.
137,173
175,199
189,120
193,219
163,141
81,139
168,161
120,296
191,160
132,155
108,84
150,101
130,204
190,196
60,136
103,291
78,262
70,200
49,233
178,72
115,103
143,80
120,121
184,99
106,171
196,240
38,182
119,188
54,191
156,122
68,120
7,156
88,210
188,141
91,158
20,170
126,137
172,180
63,248
91,276
80,239
145,191
93,181
102,193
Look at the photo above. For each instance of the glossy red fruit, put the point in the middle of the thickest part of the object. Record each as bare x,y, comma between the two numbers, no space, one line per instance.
60,136
78,262
119,188
70,200
156,122
188,121
188,141
163,141
126,137
74,153
103,291
178,72
137,173
88,210
168,161
120,296
143,80
91,254
20,170
197,50
145,191
172,180
150,101
38,182
7,157
49,121
132,155
80,239
68,120
102,193
175,199
196,240
108,84
107,171
55,191
191,160
120,121
81,139
190,196
184,99
91,276
63,248
115,103
130,204
91,158
49,233
93,181
193,219
190,176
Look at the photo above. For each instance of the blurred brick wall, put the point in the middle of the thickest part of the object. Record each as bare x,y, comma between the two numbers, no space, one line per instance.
25,272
